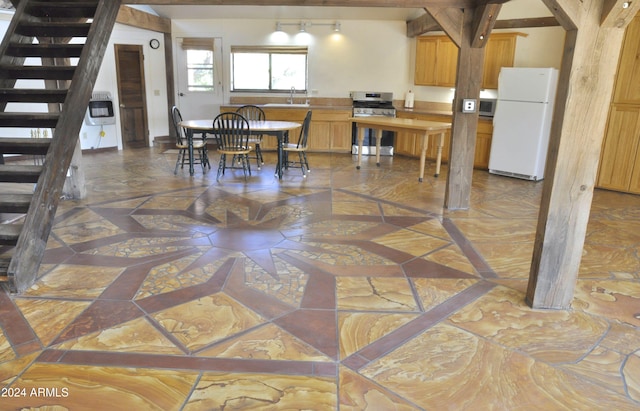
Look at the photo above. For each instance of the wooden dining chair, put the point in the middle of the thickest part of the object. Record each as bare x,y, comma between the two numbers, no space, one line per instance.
255,113
300,147
232,135
199,144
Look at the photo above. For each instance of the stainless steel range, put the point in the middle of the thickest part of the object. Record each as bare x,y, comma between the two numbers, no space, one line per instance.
367,104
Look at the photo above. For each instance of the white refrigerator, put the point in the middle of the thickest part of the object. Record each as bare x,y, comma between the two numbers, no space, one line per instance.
522,122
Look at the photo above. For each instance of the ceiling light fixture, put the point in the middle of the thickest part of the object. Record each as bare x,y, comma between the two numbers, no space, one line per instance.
304,26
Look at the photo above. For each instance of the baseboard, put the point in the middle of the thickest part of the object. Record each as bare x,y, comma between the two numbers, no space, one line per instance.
99,150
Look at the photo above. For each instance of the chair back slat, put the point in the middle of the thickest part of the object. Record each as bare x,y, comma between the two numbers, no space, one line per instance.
251,112
231,131
304,132
176,117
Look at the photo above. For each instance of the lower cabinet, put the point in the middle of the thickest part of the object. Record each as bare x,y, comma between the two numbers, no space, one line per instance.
409,143
483,144
330,129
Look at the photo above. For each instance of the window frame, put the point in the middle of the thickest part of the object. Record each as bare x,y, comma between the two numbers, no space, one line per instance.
270,50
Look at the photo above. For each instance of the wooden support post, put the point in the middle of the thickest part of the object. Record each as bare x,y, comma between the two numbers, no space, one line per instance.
586,83
465,125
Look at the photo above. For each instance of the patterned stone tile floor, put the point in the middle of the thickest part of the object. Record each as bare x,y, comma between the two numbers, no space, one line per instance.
348,290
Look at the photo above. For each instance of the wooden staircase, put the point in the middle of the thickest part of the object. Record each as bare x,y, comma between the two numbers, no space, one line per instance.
41,30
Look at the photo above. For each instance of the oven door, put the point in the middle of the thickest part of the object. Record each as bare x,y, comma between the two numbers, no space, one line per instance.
369,143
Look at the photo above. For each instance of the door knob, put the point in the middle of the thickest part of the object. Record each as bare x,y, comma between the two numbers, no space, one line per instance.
122,106
181,94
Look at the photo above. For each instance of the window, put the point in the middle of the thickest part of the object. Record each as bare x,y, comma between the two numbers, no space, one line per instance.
268,69
199,63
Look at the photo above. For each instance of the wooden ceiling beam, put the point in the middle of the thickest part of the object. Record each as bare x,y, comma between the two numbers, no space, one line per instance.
450,20
566,12
618,13
484,20
426,23
136,18
310,3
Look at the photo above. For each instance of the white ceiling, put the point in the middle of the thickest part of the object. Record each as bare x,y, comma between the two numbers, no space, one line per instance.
287,12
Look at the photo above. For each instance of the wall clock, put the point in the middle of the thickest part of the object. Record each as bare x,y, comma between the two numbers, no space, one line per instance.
154,43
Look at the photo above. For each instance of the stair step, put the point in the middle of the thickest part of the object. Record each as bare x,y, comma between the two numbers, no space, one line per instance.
53,29
37,72
63,9
45,50
15,203
9,233
4,269
15,95
31,146
19,173
29,120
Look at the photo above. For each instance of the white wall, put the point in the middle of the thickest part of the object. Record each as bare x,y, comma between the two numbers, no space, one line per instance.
156,90
154,66
365,55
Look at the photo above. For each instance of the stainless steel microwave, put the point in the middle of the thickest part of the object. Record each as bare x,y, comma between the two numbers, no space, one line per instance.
487,107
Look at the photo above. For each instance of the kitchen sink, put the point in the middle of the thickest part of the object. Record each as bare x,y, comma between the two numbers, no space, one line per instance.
285,105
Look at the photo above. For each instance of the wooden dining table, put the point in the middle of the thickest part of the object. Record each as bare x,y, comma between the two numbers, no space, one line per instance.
278,129
423,128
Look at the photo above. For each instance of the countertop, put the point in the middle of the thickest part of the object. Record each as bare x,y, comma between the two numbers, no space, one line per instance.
294,106
399,109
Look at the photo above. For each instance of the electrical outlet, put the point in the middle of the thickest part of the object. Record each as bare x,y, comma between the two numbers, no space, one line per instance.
469,105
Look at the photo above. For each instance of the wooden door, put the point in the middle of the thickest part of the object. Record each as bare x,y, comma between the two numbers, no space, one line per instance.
132,95
197,101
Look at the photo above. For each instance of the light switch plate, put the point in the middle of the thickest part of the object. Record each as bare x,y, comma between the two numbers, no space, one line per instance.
469,105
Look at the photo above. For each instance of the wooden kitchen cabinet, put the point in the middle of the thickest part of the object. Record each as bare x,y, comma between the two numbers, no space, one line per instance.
341,136
620,157
437,60
627,89
484,134
619,168
499,52
408,144
330,129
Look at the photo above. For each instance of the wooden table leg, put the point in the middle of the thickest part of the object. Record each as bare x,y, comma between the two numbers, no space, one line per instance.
439,156
281,136
190,144
423,154
360,143
378,144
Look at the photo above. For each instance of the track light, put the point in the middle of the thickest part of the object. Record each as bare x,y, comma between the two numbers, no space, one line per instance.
303,26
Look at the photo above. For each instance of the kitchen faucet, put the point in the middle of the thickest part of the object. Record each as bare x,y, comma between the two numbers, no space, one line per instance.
293,90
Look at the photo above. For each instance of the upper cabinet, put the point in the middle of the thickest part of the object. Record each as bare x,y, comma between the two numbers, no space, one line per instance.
437,60
499,52
627,89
